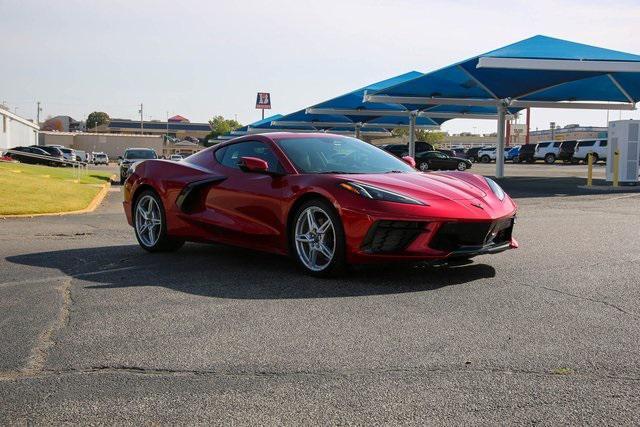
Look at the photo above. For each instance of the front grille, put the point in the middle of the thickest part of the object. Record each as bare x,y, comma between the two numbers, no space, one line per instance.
391,236
452,236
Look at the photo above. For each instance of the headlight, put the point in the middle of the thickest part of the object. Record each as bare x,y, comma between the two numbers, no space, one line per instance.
376,193
132,167
497,190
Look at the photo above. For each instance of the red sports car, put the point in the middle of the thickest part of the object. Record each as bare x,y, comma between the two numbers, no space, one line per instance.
327,200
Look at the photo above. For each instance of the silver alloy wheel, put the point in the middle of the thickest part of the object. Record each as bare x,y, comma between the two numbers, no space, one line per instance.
315,238
424,166
462,166
148,220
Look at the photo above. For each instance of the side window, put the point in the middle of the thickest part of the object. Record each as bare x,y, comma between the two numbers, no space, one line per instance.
603,143
556,144
231,154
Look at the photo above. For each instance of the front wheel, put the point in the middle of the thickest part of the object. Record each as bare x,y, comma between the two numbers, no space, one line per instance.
423,166
550,159
317,239
485,159
149,222
462,166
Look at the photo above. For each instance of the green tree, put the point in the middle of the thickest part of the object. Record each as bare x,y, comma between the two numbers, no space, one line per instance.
433,137
221,126
97,118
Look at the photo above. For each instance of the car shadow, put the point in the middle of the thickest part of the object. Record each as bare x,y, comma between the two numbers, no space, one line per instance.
227,272
529,186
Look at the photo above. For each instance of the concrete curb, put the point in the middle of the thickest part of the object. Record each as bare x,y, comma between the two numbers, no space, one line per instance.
610,188
93,205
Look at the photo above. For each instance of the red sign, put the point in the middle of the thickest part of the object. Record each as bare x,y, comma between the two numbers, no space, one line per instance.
263,101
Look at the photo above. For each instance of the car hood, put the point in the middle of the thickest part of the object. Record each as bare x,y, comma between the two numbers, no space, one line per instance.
425,187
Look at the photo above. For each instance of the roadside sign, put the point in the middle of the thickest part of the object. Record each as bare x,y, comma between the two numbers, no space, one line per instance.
263,101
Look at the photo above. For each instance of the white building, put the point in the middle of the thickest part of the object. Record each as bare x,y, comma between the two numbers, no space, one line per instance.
16,131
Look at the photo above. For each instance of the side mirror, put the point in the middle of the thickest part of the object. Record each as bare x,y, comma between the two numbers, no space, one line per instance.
409,160
253,164
119,157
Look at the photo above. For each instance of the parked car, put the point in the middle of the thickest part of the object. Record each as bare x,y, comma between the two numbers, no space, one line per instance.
69,154
461,153
232,193
437,160
400,150
53,152
100,158
82,156
526,153
487,154
566,151
547,151
23,156
176,157
131,156
512,153
585,146
472,153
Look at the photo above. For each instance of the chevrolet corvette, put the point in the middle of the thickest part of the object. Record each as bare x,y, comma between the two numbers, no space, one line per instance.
326,200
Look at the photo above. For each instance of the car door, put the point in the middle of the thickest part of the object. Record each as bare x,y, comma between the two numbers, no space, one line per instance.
439,161
246,207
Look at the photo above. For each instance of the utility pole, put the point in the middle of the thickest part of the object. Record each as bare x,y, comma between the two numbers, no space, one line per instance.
141,119
39,110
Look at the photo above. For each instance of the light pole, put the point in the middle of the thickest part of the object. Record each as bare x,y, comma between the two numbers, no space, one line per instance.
141,119
38,114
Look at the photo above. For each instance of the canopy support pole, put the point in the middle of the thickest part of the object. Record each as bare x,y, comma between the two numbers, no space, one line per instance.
502,112
358,127
412,134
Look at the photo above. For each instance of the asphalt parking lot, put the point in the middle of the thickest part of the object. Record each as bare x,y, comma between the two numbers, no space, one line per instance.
95,330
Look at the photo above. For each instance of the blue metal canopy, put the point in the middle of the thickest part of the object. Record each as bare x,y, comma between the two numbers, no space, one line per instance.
540,71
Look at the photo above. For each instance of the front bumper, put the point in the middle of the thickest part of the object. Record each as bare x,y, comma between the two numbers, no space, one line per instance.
371,239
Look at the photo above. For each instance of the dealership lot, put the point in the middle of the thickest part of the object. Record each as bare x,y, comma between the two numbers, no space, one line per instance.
95,330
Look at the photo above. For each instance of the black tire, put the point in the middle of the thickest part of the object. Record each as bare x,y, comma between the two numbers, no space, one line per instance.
338,263
423,166
485,159
462,166
550,158
595,158
531,160
164,242
472,159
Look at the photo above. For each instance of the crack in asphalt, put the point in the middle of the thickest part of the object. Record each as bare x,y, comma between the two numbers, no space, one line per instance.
45,341
608,304
415,371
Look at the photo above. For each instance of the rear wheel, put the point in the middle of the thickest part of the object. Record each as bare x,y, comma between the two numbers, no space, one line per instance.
485,159
317,239
423,166
149,222
550,158
462,166
595,158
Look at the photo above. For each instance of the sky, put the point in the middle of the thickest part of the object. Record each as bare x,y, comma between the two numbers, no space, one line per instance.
205,58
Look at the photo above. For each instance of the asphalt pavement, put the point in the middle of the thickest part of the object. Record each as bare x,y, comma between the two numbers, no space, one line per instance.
95,330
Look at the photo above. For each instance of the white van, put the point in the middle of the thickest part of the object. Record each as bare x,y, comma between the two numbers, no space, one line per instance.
547,151
585,146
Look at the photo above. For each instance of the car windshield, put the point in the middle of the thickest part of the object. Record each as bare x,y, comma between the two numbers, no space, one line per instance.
140,154
339,154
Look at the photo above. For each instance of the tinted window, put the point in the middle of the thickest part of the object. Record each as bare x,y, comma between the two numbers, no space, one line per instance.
231,154
543,144
557,144
586,143
140,154
339,154
603,143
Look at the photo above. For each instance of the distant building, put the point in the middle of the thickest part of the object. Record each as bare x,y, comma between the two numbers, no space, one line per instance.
63,124
114,144
177,126
567,133
16,131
